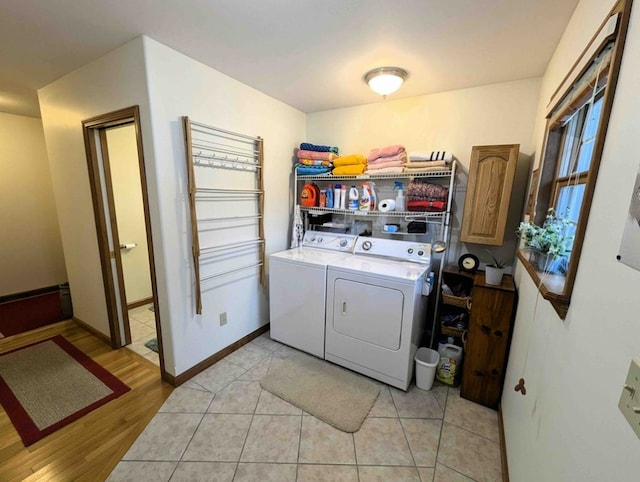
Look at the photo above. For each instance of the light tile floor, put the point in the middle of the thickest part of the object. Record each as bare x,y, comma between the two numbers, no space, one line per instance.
142,322
221,426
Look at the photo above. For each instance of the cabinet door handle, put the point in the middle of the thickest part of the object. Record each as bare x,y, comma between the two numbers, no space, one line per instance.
494,372
485,329
478,373
497,333
344,308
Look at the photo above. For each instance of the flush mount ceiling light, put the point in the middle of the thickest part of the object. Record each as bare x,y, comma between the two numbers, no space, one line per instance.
385,80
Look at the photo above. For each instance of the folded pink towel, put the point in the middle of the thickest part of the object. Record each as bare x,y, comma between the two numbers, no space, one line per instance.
382,164
397,157
324,156
385,151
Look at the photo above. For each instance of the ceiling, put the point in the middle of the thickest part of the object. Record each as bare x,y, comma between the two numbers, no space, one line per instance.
311,54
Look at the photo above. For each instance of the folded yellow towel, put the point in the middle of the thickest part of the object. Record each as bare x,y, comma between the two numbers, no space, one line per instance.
350,160
349,170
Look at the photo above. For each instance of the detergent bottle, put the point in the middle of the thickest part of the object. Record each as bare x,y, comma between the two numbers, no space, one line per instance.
399,197
329,196
343,197
450,365
353,198
365,198
309,195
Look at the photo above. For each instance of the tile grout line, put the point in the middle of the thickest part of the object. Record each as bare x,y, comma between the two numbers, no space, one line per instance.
393,400
355,453
244,442
474,433
444,414
299,443
458,472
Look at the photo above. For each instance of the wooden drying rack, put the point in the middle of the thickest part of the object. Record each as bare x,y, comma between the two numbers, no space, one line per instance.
221,149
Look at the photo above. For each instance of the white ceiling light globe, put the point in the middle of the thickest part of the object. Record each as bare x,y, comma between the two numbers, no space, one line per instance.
385,80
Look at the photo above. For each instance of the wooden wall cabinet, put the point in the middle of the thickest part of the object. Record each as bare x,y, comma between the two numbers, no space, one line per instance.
486,205
490,326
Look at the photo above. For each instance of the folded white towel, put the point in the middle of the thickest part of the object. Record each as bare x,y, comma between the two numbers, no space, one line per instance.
430,156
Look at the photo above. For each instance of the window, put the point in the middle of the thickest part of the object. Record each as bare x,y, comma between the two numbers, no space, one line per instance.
574,140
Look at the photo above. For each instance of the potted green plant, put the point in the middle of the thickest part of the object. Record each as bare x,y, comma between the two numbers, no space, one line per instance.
548,244
494,269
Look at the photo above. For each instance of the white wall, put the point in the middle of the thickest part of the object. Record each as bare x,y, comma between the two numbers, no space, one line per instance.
112,82
127,194
180,86
568,426
454,121
30,246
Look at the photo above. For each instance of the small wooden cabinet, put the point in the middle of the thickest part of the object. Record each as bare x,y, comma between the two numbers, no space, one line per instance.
490,327
486,205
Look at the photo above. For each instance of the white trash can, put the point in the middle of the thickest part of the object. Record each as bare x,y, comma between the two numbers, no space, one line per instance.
426,365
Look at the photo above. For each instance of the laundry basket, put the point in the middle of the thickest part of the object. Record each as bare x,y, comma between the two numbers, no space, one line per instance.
426,364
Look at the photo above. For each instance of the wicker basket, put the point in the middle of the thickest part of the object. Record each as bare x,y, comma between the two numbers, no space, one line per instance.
460,301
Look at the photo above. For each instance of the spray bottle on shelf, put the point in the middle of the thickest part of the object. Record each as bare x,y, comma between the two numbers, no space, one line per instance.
372,196
365,198
400,196
353,198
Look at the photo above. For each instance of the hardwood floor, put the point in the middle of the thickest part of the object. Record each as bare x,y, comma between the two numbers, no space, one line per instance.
89,448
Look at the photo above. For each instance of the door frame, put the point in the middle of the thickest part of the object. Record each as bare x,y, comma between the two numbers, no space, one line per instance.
94,131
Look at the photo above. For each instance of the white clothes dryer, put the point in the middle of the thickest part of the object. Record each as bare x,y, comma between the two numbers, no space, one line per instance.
297,289
376,308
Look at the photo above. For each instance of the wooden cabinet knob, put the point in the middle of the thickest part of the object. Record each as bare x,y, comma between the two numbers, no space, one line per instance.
497,333
494,372
485,329
478,373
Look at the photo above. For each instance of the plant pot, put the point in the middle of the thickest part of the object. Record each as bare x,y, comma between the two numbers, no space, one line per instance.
493,276
544,262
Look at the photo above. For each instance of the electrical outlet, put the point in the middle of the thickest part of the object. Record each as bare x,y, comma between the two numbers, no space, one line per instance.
223,318
629,403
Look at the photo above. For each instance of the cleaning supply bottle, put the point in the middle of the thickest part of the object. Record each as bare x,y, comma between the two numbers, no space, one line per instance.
336,196
365,198
372,196
353,198
329,196
343,196
449,367
400,196
309,195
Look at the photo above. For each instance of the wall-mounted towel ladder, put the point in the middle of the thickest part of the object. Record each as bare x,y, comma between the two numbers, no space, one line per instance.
228,221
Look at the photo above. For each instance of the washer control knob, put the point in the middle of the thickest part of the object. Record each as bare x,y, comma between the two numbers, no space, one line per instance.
410,250
312,239
366,245
319,240
343,243
420,253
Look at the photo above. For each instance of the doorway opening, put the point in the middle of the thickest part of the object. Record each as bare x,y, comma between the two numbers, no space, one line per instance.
115,157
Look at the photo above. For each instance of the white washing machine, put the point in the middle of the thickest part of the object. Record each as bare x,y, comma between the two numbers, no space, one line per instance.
297,289
376,308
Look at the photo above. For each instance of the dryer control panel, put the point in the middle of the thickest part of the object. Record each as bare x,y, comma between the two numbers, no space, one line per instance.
389,248
329,241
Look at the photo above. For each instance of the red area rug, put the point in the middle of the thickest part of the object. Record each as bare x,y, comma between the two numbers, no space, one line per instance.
51,383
